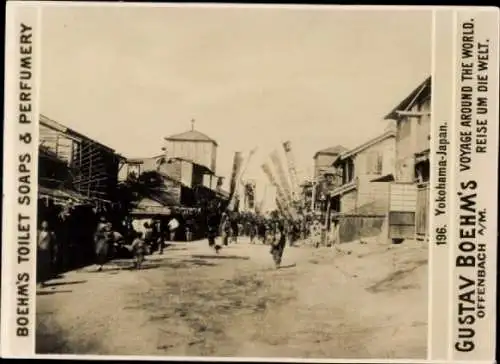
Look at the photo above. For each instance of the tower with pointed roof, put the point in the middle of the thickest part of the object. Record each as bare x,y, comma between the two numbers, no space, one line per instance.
193,146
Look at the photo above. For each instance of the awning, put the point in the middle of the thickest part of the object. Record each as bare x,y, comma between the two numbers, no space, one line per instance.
343,188
385,178
151,211
62,195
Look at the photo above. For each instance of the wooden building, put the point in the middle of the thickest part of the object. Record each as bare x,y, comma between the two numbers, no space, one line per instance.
362,173
184,183
83,164
410,191
192,146
323,161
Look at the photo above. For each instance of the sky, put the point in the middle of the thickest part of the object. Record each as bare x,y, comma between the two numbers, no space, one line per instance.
250,77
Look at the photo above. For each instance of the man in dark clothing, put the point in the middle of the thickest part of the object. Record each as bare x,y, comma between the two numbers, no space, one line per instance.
278,244
235,228
252,231
212,227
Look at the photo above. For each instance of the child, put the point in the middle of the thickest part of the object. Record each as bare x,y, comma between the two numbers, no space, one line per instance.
138,249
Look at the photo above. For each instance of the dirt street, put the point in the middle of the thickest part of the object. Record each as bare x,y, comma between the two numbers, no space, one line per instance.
362,300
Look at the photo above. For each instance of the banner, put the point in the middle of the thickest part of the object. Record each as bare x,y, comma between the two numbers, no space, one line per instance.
283,181
280,195
287,146
249,195
237,162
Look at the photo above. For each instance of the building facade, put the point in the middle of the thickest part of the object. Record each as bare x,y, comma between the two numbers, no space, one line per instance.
192,146
413,126
91,167
362,176
410,191
325,175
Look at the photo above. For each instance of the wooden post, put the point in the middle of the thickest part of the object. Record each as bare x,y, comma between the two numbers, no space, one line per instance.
327,220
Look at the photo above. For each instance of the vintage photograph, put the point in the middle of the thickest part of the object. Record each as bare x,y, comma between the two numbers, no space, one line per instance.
234,181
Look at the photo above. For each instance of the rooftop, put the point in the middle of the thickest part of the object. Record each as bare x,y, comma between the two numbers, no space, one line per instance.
388,133
422,90
47,122
338,149
191,136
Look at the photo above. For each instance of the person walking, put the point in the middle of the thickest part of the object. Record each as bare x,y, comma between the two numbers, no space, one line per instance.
45,253
235,228
278,244
102,238
138,249
316,233
225,229
212,227
252,231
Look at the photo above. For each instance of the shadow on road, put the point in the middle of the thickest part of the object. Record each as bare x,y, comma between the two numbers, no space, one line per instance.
47,293
236,257
394,279
288,266
117,266
56,284
200,262
144,267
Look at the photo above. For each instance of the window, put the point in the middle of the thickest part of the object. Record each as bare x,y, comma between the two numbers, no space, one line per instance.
374,163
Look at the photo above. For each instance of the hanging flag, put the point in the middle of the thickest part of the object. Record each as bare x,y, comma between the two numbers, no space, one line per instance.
281,175
249,195
237,161
263,200
287,146
280,195
244,169
233,184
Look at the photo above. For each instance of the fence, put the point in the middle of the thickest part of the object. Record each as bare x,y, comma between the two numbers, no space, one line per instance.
422,211
357,226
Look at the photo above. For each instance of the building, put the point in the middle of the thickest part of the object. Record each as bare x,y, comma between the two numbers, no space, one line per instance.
74,162
410,191
184,183
77,180
187,173
413,126
359,196
323,159
323,172
192,146
306,194
362,176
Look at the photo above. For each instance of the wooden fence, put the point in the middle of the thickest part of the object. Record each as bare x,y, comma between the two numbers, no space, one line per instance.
422,212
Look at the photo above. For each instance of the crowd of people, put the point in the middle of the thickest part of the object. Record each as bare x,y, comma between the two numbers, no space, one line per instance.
106,235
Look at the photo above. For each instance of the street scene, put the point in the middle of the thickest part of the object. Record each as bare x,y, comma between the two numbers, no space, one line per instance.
364,300
228,193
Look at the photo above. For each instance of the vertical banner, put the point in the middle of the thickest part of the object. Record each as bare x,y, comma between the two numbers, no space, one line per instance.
287,147
233,183
283,181
475,164
440,181
238,171
237,161
280,195
19,225
244,169
249,195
